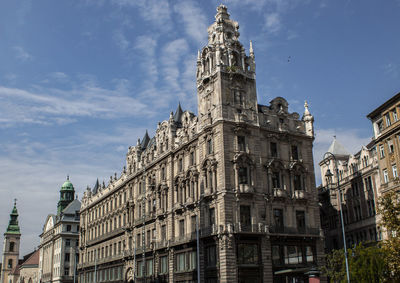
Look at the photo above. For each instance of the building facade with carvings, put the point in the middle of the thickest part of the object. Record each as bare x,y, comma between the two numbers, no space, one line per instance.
240,171
386,124
360,185
59,241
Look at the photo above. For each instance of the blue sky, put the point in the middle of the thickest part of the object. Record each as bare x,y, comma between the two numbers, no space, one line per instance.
80,81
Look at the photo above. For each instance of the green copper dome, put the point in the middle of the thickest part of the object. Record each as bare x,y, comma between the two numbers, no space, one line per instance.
13,227
67,194
67,186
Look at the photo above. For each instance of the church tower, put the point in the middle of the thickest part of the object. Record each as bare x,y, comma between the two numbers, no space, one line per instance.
226,84
11,245
67,194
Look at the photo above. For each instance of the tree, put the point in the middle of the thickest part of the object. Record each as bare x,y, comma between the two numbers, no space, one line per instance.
389,210
366,264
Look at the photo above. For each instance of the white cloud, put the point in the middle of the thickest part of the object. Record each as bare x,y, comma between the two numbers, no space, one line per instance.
147,44
272,22
173,53
194,20
155,11
351,139
121,41
51,106
21,54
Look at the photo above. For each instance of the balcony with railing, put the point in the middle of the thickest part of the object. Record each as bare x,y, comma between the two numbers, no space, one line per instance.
294,230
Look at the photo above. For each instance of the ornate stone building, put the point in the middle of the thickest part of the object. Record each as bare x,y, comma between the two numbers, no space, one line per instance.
12,238
385,120
240,171
60,239
360,188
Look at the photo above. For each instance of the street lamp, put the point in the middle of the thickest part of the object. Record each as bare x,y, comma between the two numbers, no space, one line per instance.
329,176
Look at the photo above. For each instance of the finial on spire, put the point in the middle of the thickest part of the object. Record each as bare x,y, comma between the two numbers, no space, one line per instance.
198,56
68,177
306,111
251,49
15,202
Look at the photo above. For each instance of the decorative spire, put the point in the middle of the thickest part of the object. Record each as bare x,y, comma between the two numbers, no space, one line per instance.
198,56
252,51
68,177
13,227
222,13
306,112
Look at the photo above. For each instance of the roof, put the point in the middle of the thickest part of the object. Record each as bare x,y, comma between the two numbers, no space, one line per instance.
72,207
33,259
337,149
96,187
387,103
145,140
178,114
67,186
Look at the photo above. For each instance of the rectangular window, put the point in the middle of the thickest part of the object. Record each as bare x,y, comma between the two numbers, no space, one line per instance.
211,256
181,262
390,146
385,176
241,141
297,182
163,173
66,257
247,254
163,264
192,260
211,215
67,242
394,170
149,267
245,216
276,255
309,254
193,220
394,114
243,175
181,228
276,180
66,271
278,219
301,221
273,148
382,151
209,146
379,126
295,152
192,158
387,117
140,268
68,227
163,232
293,255
180,165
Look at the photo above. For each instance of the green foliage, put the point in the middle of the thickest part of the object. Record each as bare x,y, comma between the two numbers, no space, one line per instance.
366,264
389,210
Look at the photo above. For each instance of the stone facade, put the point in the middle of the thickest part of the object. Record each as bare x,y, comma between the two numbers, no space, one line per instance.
386,124
60,240
240,171
360,188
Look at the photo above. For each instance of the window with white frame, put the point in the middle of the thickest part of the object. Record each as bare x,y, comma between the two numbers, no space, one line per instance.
382,151
390,146
387,117
385,176
394,171
394,114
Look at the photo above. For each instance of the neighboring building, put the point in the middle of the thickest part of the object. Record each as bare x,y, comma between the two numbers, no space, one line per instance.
243,170
385,121
12,238
59,240
27,270
359,185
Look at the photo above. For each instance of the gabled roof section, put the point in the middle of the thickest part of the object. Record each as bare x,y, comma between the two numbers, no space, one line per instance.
337,149
32,260
72,207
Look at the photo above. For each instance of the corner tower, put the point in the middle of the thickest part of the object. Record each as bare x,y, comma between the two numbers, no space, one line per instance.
67,194
226,84
11,245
